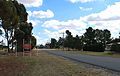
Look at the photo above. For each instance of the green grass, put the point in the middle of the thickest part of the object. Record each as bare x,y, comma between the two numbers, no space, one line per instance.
44,65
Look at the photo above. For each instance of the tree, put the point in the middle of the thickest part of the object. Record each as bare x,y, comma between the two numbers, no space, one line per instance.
68,42
107,36
95,39
24,29
1,32
14,23
33,41
78,44
89,39
53,43
8,15
60,42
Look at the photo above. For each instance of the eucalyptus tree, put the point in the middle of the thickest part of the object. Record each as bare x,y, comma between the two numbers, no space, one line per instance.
1,32
8,15
14,22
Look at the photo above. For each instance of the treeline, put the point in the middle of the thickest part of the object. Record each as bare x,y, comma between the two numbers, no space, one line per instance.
13,19
91,40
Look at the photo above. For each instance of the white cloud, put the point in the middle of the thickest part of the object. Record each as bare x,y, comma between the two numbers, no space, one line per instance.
107,19
41,40
76,27
34,22
41,14
31,3
85,9
82,1
51,34
110,13
59,33
70,24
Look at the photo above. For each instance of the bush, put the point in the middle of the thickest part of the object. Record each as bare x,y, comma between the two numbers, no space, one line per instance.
94,47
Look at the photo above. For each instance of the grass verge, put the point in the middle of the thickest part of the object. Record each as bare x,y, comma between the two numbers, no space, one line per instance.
44,65
106,54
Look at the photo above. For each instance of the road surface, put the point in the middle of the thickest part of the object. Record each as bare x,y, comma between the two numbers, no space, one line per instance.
104,62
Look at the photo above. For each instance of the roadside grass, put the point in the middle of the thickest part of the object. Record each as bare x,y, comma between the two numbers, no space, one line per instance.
106,53
45,65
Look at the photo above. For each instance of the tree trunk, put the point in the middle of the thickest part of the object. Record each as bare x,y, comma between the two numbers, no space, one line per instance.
8,44
20,45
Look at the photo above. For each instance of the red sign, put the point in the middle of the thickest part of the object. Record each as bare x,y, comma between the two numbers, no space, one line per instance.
27,46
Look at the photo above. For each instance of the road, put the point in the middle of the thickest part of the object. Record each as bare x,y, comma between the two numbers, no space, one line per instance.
104,62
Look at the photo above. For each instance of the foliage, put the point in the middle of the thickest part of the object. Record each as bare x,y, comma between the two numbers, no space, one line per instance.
95,40
53,43
91,40
1,32
8,15
14,23
68,42
60,42
33,41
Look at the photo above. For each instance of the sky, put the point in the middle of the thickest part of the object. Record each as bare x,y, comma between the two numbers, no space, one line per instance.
50,18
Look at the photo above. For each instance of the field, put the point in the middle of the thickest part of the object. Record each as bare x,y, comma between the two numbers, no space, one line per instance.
45,65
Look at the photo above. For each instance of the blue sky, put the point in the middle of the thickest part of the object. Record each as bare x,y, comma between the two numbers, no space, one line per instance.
52,17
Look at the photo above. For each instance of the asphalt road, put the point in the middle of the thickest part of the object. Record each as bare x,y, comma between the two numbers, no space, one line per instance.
104,62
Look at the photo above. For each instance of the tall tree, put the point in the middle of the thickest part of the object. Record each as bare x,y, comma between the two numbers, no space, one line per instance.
53,43
95,39
8,15
89,38
78,44
107,36
1,32
69,40
14,22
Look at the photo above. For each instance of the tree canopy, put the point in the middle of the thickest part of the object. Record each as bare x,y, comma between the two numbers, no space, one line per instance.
91,40
14,22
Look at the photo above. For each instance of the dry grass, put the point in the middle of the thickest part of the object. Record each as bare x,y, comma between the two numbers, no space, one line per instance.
44,65
107,54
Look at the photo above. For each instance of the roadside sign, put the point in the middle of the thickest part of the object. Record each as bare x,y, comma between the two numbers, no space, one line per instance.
27,46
